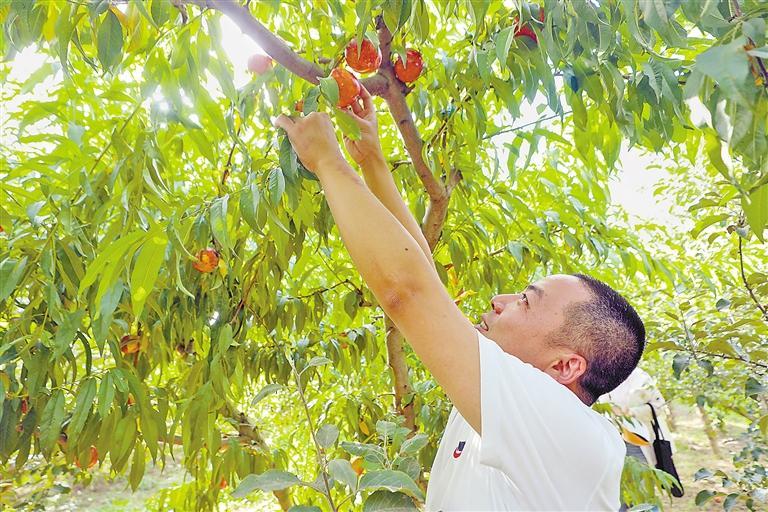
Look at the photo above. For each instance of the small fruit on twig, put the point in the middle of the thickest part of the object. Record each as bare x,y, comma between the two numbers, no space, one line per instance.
24,406
349,87
357,465
130,344
299,106
411,70
259,63
207,261
365,60
92,460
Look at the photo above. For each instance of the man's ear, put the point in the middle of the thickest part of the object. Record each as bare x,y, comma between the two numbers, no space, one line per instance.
569,368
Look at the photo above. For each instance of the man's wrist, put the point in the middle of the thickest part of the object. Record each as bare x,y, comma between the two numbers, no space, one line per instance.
333,166
374,162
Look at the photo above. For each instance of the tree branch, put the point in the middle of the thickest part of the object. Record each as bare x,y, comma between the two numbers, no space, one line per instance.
746,284
277,48
401,383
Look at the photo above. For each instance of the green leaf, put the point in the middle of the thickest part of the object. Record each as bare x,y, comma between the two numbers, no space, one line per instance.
288,160
106,395
391,481
730,501
756,210
83,406
414,444
703,496
316,361
715,152
249,205
679,363
706,222
753,388
51,419
271,480
503,43
329,90
137,468
11,271
347,124
109,254
266,391
305,508
727,65
722,304
219,221
275,185
341,470
327,435
110,41
161,11
386,501
147,268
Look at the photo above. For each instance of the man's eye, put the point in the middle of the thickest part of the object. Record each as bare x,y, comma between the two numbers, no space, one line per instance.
525,297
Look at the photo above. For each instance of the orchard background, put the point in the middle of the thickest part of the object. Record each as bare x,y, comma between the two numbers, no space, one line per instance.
267,370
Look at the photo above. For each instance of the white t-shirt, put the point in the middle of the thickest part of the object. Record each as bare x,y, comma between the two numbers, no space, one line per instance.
542,448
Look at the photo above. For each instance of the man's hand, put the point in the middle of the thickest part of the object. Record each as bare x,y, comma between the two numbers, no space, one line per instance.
367,150
314,140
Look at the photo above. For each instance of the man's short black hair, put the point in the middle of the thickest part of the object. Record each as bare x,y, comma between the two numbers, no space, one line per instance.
608,332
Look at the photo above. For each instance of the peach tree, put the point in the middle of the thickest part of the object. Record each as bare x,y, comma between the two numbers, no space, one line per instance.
171,276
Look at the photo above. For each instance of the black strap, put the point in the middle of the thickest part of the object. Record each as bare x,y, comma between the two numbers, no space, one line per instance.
655,423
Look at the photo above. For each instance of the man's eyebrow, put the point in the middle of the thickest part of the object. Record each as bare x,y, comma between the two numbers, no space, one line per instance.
532,287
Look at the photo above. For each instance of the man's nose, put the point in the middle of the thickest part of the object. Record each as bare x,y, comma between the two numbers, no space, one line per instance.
498,303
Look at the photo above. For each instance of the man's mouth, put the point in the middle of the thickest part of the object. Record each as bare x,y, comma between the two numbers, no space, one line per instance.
482,326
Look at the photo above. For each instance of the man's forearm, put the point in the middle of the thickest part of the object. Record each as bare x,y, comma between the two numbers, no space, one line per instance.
380,181
388,258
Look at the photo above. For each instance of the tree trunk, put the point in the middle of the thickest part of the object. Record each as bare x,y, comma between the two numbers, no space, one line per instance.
399,367
671,418
710,431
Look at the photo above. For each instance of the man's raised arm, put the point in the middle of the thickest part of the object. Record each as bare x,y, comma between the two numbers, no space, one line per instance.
368,155
393,266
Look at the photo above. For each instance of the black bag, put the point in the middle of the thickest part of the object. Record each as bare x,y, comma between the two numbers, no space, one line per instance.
663,450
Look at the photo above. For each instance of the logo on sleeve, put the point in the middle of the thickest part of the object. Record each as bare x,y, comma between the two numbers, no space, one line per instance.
459,449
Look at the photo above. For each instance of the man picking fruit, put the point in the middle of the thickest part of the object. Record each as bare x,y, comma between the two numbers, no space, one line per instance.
521,435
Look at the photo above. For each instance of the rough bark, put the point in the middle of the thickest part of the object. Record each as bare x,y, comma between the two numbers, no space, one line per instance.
401,382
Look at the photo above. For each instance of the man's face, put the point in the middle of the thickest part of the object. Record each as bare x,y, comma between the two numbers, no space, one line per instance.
521,322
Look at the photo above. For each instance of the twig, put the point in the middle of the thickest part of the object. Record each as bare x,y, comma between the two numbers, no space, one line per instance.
228,165
736,358
323,290
319,449
526,125
746,284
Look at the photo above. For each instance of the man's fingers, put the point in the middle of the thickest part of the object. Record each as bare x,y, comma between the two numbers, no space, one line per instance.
357,108
367,99
284,122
